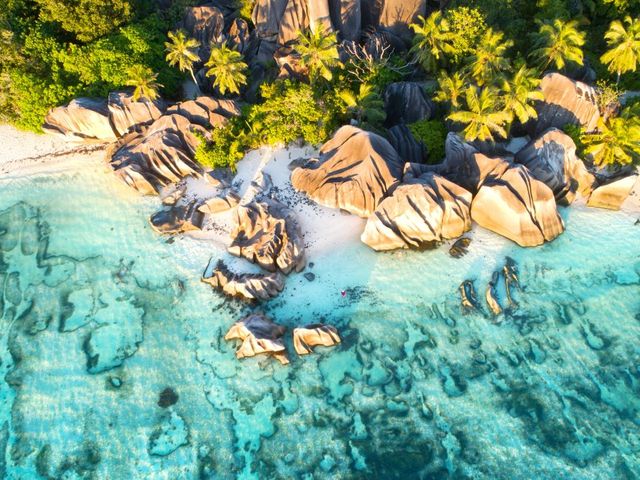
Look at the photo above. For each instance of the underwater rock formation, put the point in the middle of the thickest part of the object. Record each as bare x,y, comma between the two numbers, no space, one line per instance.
517,206
490,294
421,213
460,247
161,154
551,158
406,102
259,335
468,297
180,217
171,433
267,233
249,286
81,119
355,171
126,113
613,194
566,102
309,336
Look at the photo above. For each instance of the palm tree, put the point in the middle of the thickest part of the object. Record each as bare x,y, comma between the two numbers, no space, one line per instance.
624,46
318,54
144,82
558,43
489,60
484,118
228,69
182,52
365,106
450,89
433,40
520,92
617,141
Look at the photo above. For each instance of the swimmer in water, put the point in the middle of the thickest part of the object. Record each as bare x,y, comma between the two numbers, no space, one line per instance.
343,293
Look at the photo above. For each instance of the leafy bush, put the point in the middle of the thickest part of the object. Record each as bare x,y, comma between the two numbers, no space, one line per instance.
433,134
575,132
225,148
467,26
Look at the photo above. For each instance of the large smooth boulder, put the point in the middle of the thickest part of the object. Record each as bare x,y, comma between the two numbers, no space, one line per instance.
295,19
220,203
406,102
612,195
419,214
266,17
126,113
397,15
355,171
206,111
259,336
81,119
266,233
161,154
317,334
566,102
408,148
204,23
346,16
517,206
248,286
178,218
551,158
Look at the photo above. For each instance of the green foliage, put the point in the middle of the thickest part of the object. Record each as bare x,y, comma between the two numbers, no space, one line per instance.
558,43
450,89
227,68
144,82
318,52
484,118
489,58
245,8
291,111
575,132
86,19
520,92
623,54
365,107
433,41
376,70
467,25
224,150
182,52
433,133
616,141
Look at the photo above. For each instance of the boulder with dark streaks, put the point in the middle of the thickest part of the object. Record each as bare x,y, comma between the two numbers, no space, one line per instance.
178,218
205,24
220,203
259,335
397,15
408,148
80,120
126,113
346,16
421,213
407,102
267,233
317,334
248,286
206,111
355,171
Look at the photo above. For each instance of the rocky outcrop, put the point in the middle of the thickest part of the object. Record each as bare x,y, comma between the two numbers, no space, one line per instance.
408,148
397,15
220,203
266,17
613,194
346,16
517,206
81,120
551,158
161,154
267,233
566,102
309,336
206,111
205,24
406,102
355,171
248,286
259,336
419,214
178,218
125,113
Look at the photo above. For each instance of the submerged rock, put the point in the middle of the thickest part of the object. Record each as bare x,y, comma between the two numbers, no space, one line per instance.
171,433
259,335
406,102
355,171
126,113
167,397
178,218
490,295
109,345
468,297
613,194
81,119
309,336
160,155
460,247
267,233
249,286
421,213
551,158
566,102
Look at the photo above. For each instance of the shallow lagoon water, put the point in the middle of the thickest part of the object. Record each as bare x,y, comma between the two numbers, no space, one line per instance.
100,315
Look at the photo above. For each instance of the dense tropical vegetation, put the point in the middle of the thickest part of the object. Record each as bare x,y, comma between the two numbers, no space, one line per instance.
482,62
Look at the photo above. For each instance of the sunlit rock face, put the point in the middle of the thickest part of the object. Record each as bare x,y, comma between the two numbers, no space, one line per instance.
183,216
566,102
517,206
204,23
126,113
397,15
309,336
161,154
551,158
267,233
220,203
206,111
613,194
418,214
259,335
82,119
248,286
355,171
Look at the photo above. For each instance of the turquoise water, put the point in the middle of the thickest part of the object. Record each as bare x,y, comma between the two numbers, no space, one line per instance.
100,315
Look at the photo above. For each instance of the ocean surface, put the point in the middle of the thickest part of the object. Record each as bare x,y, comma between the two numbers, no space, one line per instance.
114,365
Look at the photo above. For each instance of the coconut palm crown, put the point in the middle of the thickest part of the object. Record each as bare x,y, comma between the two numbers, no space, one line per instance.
228,69
624,46
182,52
483,119
558,43
144,82
318,52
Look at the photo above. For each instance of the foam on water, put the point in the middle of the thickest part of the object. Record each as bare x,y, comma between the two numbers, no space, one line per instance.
100,315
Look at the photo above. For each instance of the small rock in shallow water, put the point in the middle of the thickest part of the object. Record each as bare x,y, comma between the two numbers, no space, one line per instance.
310,276
460,247
116,382
168,397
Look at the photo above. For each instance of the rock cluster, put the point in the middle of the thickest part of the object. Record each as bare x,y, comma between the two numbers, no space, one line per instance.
178,218
248,286
309,336
81,120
